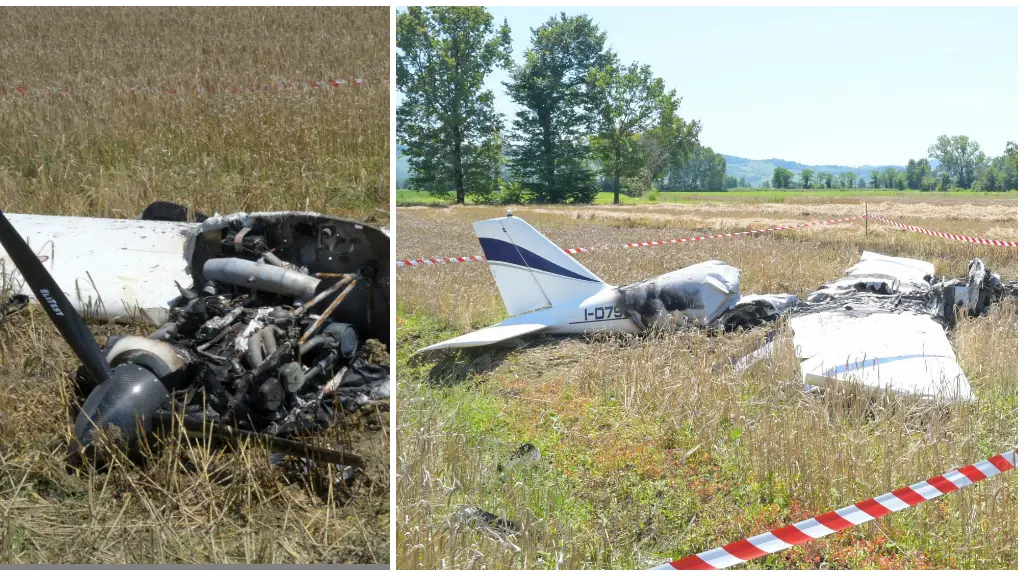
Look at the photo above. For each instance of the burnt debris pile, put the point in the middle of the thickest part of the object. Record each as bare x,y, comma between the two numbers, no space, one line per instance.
887,283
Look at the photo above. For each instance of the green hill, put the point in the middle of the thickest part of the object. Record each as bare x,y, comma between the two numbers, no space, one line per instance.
757,171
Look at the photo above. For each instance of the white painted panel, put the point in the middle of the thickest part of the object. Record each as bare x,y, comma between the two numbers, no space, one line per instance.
903,353
489,335
108,268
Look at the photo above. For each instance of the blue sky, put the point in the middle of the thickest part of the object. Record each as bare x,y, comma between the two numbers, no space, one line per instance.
847,86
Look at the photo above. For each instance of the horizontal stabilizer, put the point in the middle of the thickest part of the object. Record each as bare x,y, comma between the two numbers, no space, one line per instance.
489,335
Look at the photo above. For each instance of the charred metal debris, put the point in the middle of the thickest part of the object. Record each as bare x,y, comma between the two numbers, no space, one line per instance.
281,333
707,295
938,297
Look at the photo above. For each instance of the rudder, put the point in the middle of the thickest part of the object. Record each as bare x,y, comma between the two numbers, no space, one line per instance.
531,271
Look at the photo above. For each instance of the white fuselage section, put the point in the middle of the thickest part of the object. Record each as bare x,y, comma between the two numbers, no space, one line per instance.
600,312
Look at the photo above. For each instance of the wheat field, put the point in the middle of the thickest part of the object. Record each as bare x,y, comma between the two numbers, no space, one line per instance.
102,150
653,448
76,140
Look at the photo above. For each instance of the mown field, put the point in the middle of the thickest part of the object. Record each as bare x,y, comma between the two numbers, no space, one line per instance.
653,448
421,198
91,147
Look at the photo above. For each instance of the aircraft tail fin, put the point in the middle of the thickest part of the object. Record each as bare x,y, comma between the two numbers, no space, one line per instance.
531,271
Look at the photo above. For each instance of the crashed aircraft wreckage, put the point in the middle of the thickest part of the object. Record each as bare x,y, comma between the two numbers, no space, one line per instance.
881,326
283,321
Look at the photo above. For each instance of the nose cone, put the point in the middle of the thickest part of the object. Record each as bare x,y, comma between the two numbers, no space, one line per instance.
124,405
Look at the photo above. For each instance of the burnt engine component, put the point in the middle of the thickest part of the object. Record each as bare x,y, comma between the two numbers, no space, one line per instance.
270,290
281,306
266,277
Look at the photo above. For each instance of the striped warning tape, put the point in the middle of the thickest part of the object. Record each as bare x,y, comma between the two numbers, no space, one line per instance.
744,233
202,89
422,261
861,512
987,242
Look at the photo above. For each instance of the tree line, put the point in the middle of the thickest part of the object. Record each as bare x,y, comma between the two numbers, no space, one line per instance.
960,164
585,120
588,122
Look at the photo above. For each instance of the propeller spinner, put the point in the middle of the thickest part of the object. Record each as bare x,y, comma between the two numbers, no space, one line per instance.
128,395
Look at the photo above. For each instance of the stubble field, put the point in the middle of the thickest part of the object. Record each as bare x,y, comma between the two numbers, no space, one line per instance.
653,448
78,141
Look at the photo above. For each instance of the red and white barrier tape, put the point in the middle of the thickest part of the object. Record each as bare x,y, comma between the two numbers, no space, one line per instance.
199,89
987,242
859,513
744,233
422,261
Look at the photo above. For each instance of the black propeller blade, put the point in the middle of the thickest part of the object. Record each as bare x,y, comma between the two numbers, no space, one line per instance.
63,315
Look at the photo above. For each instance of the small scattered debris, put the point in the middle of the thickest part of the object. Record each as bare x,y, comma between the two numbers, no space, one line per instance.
326,479
12,305
525,454
762,352
479,518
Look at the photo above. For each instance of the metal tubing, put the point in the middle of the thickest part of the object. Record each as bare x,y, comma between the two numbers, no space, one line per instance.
263,277
320,297
314,342
255,352
327,313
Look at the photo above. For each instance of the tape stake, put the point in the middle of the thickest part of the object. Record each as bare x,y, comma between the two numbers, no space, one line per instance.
832,522
959,237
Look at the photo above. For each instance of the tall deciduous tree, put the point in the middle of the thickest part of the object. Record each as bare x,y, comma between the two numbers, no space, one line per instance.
666,146
917,171
806,175
1010,166
960,156
781,177
703,170
851,179
550,145
447,119
630,102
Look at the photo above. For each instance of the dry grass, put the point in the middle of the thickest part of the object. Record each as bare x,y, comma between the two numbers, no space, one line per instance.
652,447
105,152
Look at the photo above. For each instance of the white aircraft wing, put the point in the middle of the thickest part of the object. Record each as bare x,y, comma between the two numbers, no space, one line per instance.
125,270
489,335
901,353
